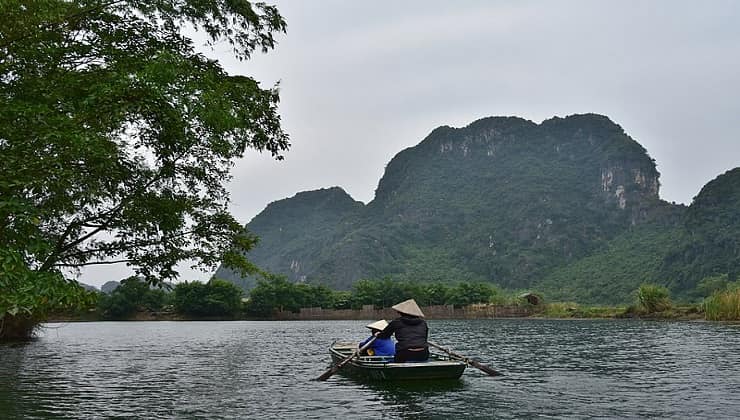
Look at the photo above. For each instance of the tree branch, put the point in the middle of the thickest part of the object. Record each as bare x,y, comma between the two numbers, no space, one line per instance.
60,248
94,263
63,21
122,246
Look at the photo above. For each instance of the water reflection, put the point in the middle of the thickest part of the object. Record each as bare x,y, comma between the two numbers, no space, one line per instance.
412,400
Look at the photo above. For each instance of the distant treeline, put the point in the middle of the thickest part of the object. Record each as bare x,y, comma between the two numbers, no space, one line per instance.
277,293
219,298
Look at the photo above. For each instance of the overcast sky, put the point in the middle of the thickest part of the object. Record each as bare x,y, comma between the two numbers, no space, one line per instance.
361,81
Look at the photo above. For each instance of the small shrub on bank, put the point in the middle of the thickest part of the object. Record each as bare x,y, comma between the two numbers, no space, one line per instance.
574,310
723,305
653,298
560,310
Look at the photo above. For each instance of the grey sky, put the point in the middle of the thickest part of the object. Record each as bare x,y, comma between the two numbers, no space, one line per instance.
362,81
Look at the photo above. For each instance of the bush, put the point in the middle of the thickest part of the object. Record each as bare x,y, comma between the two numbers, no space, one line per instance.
215,298
465,293
276,293
386,292
131,296
724,305
653,298
560,310
341,299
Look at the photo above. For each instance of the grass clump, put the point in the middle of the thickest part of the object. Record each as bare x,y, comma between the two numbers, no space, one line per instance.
574,310
723,305
559,310
652,298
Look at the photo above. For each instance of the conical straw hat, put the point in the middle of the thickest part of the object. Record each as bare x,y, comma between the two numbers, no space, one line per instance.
378,325
408,307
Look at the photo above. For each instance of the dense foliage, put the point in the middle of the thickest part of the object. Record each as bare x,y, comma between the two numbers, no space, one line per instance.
28,296
569,207
116,139
216,298
279,294
711,243
611,274
724,302
653,298
133,295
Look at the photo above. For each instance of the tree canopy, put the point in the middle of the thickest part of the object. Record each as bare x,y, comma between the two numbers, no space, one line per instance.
117,136
215,298
276,293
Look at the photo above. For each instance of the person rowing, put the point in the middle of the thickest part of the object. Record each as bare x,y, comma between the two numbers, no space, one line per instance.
411,333
381,346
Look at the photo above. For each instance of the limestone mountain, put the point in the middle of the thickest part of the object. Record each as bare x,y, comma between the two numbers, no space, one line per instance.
710,243
503,200
298,234
677,249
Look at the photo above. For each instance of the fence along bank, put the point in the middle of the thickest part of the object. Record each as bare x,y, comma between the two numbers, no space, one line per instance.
431,312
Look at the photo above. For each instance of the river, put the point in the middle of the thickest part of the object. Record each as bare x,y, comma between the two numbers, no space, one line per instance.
244,369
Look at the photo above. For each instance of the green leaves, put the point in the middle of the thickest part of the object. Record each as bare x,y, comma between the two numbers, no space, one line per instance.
215,298
116,137
653,298
277,293
35,294
131,296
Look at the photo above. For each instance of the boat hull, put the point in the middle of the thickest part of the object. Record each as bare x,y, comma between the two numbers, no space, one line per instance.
438,367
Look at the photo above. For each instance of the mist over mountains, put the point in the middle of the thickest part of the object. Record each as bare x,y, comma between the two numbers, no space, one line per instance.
569,207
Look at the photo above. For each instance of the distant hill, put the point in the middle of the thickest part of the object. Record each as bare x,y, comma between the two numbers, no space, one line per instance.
88,287
710,244
109,286
569,206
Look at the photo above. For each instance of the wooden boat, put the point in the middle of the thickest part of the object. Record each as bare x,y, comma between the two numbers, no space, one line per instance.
383,368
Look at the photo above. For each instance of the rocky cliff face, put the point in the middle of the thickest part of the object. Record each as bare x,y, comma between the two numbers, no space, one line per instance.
503,200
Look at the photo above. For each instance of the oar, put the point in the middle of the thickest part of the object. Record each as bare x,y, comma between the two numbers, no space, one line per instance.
471,362
334,369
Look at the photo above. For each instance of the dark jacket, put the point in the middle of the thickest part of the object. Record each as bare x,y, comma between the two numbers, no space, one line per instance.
411,332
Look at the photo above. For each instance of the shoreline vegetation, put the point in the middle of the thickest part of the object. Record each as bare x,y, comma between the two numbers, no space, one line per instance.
278,299
555,311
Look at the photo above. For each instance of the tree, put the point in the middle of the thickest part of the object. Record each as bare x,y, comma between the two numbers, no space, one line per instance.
189,298
465,293
223,298
270,294
131,296
275,293
215,298
116,139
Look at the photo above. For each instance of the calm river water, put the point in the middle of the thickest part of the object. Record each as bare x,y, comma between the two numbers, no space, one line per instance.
554,369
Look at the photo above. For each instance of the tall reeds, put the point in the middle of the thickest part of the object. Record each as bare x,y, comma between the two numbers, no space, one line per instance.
723,305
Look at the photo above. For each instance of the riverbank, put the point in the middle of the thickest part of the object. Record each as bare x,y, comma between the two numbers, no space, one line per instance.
556,310
560,310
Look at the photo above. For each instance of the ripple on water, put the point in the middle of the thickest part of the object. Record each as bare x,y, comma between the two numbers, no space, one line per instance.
554,369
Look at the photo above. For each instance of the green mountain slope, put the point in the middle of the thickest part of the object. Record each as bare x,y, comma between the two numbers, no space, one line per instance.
569,205
295,233
506,200
611,274
711,241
